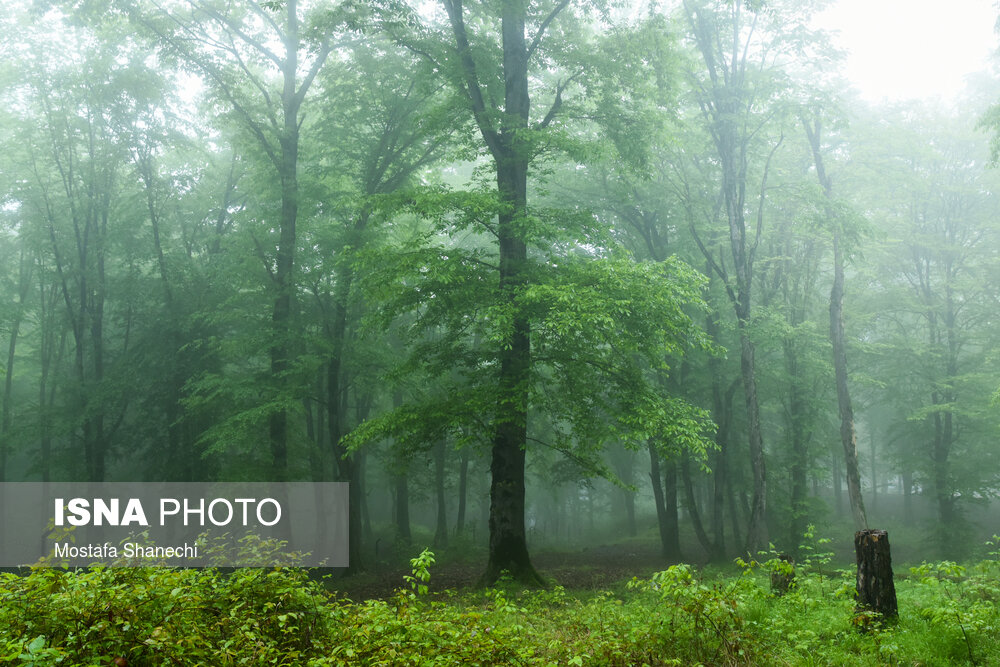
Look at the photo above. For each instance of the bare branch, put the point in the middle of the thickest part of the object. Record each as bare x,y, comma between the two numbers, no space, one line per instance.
760,204
236,30
557,102
545,24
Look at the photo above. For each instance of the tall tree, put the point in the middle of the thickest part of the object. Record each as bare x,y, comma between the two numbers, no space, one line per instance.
728,96
848,436
240,51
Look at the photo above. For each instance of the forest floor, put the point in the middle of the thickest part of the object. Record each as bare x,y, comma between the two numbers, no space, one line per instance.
591,568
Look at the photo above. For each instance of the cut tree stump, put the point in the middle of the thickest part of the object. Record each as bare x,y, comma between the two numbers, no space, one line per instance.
783,576
876,591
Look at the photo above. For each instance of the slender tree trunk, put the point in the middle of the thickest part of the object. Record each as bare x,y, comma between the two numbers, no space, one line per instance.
757,530
692,508
441,529
874,473
670,504
800,456
403,508
463,485
669,538
726,107
837,482
848,436
734,516
284,281
722,411
6,405
907,481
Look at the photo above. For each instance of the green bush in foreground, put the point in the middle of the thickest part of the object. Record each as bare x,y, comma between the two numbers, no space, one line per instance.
161,616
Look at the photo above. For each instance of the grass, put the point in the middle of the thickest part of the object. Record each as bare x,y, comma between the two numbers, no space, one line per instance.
680,616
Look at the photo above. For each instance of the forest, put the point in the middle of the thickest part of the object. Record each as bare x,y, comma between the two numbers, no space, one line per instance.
570,292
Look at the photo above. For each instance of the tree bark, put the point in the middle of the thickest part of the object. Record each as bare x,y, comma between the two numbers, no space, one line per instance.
875,588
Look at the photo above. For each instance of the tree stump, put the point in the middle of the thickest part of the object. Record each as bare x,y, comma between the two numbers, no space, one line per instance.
876,591
783,575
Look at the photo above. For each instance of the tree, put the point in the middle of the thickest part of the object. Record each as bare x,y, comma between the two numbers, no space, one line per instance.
848,437
723,36
239,52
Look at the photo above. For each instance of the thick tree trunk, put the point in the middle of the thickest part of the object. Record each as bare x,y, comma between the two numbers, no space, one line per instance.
875,588
508,549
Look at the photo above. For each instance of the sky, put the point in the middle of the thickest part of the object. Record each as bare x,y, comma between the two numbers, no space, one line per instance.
903,49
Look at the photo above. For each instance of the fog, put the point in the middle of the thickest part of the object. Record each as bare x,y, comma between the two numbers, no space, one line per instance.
667,285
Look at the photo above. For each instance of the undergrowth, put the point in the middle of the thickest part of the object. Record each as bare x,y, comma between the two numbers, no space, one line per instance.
281,616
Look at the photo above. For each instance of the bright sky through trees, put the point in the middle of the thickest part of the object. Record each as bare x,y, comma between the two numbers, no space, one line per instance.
902,49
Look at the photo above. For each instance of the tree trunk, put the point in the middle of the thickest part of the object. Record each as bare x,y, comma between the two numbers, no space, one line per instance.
628,497
692,508
283,276
6,405
441,529
875,588
734,516
669,539
346,464
800,455
463,485
508,549
670,505
757,529
837,482
505,135
848,436
906,478
403,508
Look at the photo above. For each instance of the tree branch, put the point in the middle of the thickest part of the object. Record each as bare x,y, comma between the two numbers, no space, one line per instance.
475,93
545,24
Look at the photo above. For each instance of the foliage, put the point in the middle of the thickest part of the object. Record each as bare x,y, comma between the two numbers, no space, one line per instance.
285,616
